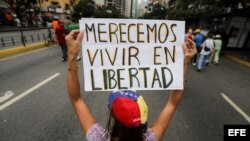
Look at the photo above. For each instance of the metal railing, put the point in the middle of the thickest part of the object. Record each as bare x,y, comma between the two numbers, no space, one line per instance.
24,36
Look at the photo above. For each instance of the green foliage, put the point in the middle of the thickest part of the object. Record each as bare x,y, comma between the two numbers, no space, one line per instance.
158,12
107,12
183,9
84,8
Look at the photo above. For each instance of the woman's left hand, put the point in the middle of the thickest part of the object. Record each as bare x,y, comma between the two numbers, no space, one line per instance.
73,40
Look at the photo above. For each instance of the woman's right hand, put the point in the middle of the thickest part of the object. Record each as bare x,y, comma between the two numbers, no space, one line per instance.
73,40
87,120
189,50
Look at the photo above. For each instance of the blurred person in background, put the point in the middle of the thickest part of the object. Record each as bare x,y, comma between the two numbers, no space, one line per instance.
9,17
60,36
55,23
198,39
17,21
67,22
189,34
206,48
217,48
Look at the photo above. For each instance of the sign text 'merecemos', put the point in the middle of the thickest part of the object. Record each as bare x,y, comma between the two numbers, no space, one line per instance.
132,54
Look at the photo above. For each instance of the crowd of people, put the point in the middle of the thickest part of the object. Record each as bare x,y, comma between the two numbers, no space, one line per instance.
208,47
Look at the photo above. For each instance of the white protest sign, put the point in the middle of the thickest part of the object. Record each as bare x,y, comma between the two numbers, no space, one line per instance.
132,54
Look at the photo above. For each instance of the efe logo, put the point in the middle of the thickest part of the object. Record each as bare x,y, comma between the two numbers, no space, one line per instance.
236,132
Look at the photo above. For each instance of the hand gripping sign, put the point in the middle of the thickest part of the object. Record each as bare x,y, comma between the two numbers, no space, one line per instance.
132,54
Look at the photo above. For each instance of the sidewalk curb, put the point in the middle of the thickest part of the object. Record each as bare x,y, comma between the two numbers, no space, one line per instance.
237,60
17,50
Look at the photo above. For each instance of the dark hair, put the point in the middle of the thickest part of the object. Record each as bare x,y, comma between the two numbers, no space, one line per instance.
74,20
123,133
210,35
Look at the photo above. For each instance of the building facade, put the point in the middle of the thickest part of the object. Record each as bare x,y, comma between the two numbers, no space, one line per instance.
123,6
56,8
118,4
134,6
128,8
142,8
100,2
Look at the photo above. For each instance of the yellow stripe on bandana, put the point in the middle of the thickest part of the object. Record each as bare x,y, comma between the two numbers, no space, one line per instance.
143,109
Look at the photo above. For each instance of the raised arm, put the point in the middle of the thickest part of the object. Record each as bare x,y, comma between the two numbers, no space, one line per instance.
73,40
161,123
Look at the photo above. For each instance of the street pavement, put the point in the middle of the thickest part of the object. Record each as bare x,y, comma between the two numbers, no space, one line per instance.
34,104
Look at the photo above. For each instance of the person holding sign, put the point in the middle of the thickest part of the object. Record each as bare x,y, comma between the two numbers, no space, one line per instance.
128,110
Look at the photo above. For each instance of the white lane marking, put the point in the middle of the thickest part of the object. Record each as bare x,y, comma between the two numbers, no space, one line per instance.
6,96
237,108
27,92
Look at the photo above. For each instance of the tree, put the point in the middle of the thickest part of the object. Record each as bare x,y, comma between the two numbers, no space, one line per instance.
84,8
183,9
87,8
158,12
107,12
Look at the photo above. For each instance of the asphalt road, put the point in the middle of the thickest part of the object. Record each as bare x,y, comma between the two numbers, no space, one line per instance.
33,86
